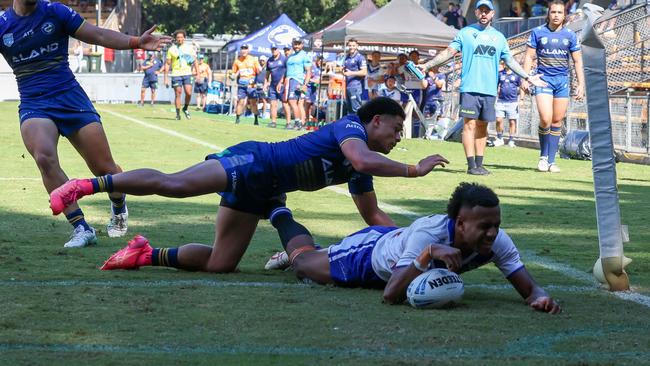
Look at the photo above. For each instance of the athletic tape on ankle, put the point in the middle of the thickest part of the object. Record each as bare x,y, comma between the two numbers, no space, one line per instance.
299,251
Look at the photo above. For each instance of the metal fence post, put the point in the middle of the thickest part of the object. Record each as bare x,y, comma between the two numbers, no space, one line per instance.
628,121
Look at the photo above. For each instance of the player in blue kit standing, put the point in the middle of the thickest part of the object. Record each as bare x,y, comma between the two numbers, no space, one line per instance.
355,70
507,106
276,67
253,179
552,44
52,103
151,68
482,47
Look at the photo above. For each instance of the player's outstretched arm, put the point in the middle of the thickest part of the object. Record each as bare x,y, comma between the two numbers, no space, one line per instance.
108,38
440,59
535,80
369,209
369,162
534,295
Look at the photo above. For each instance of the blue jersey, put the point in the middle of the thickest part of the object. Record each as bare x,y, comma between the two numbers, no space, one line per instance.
150,73
315,75
354,63
260,77
315,160
553,49
296,64
481,49
36,48
432,92
277,67
509,84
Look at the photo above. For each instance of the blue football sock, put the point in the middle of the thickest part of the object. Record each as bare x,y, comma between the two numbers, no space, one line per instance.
76,219
543,140
118,205
553,143
499,135
102,184
167,257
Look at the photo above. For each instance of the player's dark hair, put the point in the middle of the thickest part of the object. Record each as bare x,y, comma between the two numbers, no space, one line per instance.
550,5
470,195
379,106
352,40
180,31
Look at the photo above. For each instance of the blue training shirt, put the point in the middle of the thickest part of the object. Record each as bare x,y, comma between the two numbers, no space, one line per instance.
553,49
481,49
509,84
354,63
277,67
296,64
314,160
150,73
36,48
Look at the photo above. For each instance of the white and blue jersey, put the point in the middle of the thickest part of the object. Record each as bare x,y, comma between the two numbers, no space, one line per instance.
393,248
36,48
481,51
258,172
393,94
553,49
509,84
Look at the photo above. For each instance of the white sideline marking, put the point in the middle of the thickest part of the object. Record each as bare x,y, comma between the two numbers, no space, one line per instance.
223,284
544,262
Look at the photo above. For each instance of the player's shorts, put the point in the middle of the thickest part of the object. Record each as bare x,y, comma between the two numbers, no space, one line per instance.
351,259
432,108
149,84
478,106
244,92
508,110
70,110
295,93
274,94
558,86
201,88
178,81
249,189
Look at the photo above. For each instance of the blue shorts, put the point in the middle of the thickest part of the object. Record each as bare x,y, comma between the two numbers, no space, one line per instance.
432,108
274,94
249,189
244,92
558,86
294,90
201,88
478,106
351,259
149,84
70,110
313,93
178,81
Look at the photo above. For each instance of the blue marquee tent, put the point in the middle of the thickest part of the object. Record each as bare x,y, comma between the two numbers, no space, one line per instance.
281,31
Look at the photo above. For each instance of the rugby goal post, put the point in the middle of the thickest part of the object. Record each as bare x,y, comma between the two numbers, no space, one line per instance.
610,267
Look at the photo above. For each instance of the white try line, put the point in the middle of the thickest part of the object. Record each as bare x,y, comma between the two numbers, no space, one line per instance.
544,262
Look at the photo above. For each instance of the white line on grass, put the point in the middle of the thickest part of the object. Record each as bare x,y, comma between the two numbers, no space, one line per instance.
222,284
544,262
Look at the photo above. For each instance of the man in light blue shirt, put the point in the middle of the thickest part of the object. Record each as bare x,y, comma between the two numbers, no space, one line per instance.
482,47
296,80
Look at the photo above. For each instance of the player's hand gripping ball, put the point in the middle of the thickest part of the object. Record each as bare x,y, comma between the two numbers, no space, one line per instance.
435,288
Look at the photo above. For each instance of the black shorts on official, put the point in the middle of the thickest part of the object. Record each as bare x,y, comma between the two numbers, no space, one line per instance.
478,106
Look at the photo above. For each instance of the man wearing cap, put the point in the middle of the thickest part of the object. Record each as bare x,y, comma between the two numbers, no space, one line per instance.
296,80
482,47
260,86
276,67
355,70
151,69
244,70
181,59
203,80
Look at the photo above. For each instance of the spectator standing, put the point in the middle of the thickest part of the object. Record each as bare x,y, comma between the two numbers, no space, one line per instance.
433,98
355,70
482,47
140,55
507,107
151,68
539,8
452,17
260,86
311,100
295,82
181,60
79,55
276,67
244,70
375,76
202,82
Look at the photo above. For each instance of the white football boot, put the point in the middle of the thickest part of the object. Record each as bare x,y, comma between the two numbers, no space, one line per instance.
81,238
279,260
498,142
118,225
542,165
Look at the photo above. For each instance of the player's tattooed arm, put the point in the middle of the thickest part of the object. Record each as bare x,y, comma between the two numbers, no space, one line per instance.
108,38
440,59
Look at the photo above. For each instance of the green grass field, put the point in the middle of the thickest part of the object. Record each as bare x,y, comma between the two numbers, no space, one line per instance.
57,308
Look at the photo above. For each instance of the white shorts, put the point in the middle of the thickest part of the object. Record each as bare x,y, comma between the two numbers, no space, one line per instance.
508,110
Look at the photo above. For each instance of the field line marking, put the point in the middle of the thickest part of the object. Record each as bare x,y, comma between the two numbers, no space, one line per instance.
224,284
545,262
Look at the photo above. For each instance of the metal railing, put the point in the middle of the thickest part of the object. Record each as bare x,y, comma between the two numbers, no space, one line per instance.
510,26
